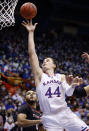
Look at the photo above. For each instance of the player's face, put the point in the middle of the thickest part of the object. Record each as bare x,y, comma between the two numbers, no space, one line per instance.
31,96
48,64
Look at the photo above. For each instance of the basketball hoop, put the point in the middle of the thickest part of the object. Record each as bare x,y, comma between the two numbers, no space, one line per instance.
7,13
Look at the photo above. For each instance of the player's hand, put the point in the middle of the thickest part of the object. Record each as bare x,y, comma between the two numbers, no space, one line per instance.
40,121
69,79
85,56
29,26
81,81
77,81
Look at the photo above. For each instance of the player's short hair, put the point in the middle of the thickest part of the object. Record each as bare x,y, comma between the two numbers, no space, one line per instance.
28,92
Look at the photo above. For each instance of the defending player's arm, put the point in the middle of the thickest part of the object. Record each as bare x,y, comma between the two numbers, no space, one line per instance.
37,72
81,92
23,122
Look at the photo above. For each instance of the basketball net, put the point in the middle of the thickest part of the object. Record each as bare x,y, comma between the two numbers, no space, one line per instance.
7,13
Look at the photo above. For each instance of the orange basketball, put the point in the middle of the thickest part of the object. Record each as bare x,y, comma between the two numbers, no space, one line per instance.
28,10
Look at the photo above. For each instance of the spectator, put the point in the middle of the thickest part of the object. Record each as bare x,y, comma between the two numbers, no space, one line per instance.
1,123
9,125
10,104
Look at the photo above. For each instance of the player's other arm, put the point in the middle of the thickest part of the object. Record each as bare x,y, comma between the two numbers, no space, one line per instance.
67,81
85,55
78,92
34,62
69,84
24,122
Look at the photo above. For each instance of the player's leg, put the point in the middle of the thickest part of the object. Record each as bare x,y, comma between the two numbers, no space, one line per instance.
74,123
77,126
55,129
50,123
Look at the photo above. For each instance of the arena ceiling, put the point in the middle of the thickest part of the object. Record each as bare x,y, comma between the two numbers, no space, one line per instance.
68,10
72,9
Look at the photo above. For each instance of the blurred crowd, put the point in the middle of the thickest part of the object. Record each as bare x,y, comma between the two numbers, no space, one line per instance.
66,50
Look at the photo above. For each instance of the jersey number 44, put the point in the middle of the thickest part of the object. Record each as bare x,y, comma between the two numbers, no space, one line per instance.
49,93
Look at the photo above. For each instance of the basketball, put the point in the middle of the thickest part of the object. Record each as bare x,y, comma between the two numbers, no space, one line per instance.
28,10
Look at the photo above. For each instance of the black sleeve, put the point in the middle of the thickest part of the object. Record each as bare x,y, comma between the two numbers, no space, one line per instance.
79,92
22,109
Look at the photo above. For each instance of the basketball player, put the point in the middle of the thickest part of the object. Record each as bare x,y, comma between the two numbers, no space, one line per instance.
28,117
51,89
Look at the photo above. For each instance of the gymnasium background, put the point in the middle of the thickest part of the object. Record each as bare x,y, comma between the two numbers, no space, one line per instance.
62,32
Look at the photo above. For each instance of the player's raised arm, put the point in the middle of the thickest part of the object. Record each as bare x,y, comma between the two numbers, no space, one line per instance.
34,62
85,55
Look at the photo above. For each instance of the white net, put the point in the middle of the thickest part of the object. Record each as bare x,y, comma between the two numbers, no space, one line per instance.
7,13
